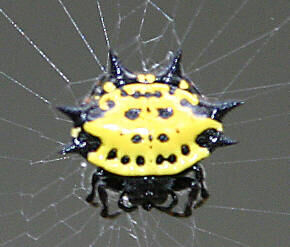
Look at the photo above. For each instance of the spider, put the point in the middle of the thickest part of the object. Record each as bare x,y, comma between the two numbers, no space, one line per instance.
146,133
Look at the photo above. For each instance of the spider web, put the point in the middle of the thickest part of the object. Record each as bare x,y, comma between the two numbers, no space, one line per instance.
51,54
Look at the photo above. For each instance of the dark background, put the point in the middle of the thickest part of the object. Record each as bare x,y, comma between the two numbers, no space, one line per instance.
228,44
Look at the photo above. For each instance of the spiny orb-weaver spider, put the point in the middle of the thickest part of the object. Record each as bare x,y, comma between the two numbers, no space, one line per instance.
146,133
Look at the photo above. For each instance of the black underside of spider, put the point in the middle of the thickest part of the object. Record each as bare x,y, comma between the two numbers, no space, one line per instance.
149,191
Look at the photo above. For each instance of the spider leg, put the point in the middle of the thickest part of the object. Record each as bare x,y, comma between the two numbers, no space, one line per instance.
104,200
199,175
123,206
90,198
192,196
102,194
172,204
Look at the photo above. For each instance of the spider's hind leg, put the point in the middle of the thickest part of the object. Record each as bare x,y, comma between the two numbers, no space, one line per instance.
182,183
197,187
172,204
199,176
192,196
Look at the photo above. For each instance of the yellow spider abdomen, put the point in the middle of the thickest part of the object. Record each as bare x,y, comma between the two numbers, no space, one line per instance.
147,129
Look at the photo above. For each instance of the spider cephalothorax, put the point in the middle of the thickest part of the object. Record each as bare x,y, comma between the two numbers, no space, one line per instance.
145,132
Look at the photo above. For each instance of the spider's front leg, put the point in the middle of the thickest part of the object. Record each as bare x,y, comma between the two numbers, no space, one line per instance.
102,193
95,179
104,200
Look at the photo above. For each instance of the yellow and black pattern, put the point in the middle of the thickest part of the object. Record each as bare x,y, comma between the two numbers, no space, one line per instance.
148,131
146,124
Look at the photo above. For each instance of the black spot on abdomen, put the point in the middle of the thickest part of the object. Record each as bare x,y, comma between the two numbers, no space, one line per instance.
150,138
171,159
125,159
136,139
112,154
185,149
163,138
140,160
159,159
165,112
132,113
111,103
